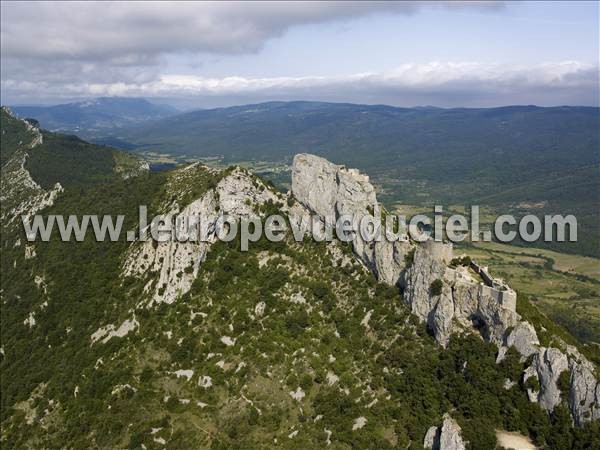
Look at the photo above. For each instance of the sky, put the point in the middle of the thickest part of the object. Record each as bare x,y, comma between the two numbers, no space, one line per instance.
208,54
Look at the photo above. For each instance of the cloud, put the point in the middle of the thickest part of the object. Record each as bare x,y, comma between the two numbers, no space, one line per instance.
67,50
441,84
123,32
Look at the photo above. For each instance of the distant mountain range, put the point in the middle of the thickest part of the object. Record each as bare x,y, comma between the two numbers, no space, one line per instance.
420,142
489,156
88,118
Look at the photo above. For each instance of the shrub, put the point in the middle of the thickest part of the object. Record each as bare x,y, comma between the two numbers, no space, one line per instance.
464,261
409,258
436,287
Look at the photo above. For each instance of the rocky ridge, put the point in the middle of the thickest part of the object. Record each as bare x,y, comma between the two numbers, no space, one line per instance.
466,302
331,190
237,194
21,194
266,348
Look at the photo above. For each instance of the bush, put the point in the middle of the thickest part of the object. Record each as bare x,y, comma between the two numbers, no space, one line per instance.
464,261
409,258
297,322
436,287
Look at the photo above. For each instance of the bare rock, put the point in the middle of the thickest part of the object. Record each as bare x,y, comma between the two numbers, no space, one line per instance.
524,339
432,438
584,391
441,320
446,437
549,364
450,436
177,262
330,190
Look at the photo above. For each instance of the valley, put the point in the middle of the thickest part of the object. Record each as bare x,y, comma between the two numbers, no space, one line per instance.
272,225
513,160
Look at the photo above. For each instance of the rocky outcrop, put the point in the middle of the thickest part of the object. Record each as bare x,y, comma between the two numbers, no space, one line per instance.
432,438
489,305
135,169
465,298
450,436
176,262
436,309
21,195
524,339
446,437
463,301
448,299
332,191
584,388
549,363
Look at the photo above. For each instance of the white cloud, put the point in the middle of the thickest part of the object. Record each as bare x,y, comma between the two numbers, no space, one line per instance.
127,32
67,50
444,83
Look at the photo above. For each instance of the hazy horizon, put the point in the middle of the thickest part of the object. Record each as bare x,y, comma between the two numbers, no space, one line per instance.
179,104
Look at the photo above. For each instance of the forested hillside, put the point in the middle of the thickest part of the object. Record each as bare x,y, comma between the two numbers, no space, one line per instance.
288,345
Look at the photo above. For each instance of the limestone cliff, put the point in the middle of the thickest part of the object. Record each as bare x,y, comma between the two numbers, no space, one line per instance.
237,194
446,437
331,190
470,298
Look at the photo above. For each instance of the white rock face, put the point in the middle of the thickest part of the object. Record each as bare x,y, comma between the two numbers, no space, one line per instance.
205,382
465,300
450,436
107,332
524,339
365,321
328,439
30,252
298,394
584,392
30,321
227,341
359,423
432,438
446,437
427,267
259,309
117,389
331,378
549,364
330,190
177,263
184,373
21,195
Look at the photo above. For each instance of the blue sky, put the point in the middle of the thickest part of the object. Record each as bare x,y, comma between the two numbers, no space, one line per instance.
205,54
519,33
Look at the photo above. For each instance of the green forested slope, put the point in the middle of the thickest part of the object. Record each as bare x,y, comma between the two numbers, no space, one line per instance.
148,388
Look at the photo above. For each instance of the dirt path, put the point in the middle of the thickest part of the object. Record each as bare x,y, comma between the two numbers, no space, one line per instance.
515,441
